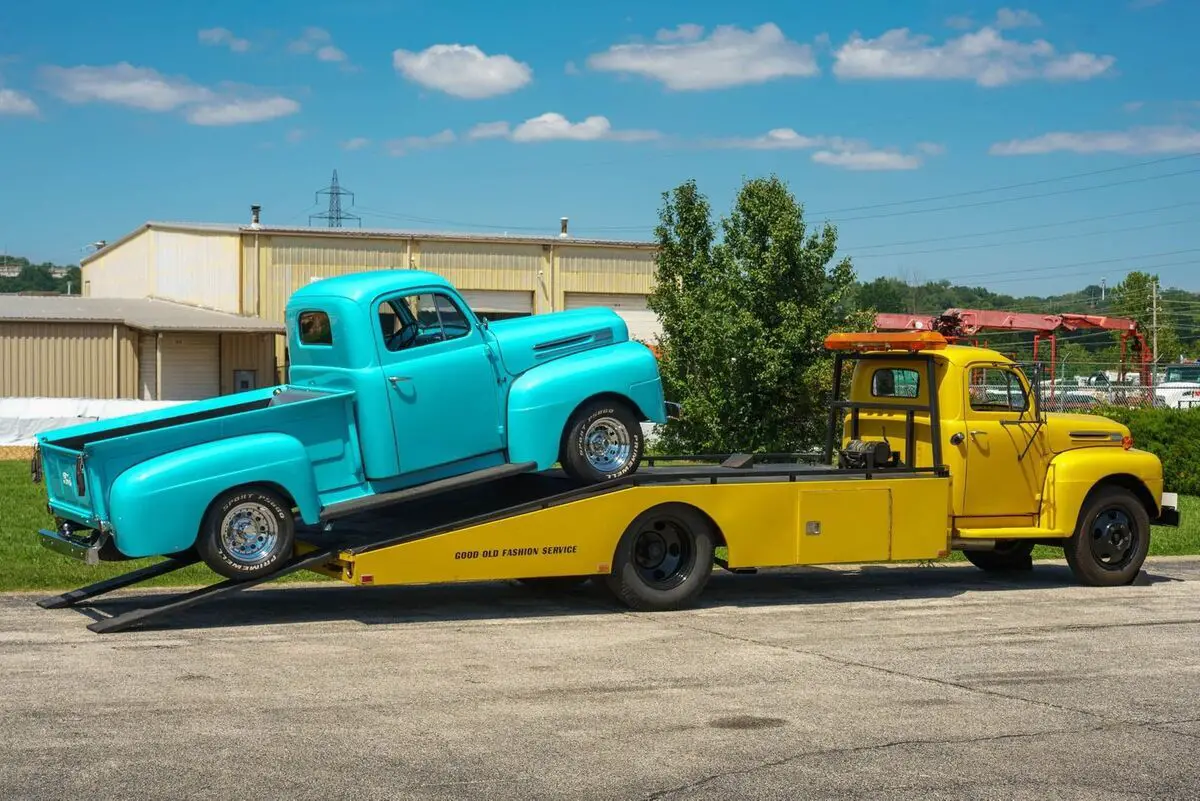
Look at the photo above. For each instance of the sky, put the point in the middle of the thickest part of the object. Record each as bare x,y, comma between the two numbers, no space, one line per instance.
1030,148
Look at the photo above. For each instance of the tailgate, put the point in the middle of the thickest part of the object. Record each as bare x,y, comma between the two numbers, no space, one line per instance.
67,485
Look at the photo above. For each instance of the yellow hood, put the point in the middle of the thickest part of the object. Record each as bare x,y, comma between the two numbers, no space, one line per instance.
1067,431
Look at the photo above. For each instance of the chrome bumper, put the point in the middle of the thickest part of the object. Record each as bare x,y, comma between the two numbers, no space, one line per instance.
86,550
1169,515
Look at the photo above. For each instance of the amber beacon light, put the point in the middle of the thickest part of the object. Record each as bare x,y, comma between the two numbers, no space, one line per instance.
882,340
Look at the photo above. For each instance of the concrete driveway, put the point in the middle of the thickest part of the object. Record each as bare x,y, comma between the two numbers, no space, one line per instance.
877,683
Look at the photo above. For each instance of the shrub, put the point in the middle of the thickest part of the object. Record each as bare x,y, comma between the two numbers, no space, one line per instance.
1173,435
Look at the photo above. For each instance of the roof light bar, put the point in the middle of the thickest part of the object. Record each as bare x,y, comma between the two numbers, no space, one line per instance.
886,340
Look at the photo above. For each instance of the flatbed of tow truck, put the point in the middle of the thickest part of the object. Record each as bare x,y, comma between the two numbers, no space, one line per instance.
545,526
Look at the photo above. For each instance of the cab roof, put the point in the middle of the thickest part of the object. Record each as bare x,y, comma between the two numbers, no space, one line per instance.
369,285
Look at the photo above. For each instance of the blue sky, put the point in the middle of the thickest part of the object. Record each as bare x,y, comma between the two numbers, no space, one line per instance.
505,116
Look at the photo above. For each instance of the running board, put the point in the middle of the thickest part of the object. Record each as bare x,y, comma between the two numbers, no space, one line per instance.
347,508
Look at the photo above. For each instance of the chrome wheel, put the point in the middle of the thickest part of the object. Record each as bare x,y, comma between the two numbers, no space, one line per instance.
607,445
249,532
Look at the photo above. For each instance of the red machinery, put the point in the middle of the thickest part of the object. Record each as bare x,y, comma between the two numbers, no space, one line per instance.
960,323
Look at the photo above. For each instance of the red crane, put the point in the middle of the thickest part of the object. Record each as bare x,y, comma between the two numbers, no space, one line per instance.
960,323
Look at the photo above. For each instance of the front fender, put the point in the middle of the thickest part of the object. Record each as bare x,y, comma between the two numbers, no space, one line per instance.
1072,475
156,506
542,400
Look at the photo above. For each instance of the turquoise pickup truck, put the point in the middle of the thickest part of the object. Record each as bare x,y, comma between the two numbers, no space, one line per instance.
395,389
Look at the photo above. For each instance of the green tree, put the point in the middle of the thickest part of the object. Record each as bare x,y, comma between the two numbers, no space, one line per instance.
1134,298
744,319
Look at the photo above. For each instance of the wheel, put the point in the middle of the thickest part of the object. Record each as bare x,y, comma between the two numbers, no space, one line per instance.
1111,541
1010,555
603,441
664,559
248,532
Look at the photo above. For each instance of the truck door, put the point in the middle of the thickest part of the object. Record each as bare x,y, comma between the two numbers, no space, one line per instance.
440,381
1004,469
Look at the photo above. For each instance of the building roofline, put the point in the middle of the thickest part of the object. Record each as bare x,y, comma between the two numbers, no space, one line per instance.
142,314
369,233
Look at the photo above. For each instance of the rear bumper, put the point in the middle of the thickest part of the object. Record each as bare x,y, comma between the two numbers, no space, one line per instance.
86,550
1169,514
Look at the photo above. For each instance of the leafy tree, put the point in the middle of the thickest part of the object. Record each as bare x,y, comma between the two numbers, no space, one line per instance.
744,319
1134,298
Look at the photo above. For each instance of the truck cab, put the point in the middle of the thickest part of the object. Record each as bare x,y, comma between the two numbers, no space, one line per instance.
395,389
1020,475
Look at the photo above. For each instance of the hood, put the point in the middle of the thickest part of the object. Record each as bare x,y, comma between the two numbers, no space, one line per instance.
525,342
1068,431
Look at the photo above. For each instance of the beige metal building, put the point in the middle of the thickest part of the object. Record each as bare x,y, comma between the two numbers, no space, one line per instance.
252,269
142,349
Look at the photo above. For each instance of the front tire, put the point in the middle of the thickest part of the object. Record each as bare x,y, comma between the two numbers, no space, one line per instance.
248,532
664,559
603,442
1111,541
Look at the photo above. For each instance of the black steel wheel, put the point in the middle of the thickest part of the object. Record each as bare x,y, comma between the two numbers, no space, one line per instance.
1111,540
248,532
663,559
1009,556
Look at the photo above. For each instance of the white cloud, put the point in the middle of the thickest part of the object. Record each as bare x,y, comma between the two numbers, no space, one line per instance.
1016,18
125,85
407,144
729,56
551,126
490,130
1160,139
330,53
462,71
985,56
318,42
223,36
238,111
834,151
685,32
356,143
17,103
146,89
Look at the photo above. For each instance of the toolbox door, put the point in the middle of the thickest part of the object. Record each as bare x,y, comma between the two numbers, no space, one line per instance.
851,524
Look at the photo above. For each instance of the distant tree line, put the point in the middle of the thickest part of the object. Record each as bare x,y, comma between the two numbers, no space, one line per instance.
44,277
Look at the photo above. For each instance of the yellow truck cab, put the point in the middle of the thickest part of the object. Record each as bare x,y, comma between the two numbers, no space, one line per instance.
1019,475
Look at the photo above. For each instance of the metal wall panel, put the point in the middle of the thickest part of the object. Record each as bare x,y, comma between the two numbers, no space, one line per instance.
67,360
247,352
148,367
643,323
482,265
600,269
200,269
125,272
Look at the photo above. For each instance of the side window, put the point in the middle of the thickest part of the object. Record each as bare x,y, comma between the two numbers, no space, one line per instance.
895,382
314,328
416,320
994,389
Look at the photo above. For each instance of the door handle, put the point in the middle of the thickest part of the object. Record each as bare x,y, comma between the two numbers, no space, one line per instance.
978,433
395,379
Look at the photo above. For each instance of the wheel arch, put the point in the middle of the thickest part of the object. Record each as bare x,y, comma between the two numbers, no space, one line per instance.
708,520
279,489
1123,481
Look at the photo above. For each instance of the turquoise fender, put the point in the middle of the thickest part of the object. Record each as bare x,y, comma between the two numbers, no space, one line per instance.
542,400
157,506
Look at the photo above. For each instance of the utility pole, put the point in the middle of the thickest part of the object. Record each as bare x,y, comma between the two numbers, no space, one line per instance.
1103,286
1153,332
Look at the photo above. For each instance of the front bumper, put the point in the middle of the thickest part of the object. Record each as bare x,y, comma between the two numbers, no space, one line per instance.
1169,514
85,549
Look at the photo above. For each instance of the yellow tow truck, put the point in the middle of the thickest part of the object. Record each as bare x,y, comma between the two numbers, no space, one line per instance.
936,447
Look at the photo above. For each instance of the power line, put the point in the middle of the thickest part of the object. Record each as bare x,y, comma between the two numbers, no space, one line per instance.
1011,186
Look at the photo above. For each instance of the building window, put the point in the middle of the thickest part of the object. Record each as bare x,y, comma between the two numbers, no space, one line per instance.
417,320
314,328
994,389
895,382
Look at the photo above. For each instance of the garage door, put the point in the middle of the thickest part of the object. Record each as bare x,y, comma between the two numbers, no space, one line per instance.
191,366
643,323
498,301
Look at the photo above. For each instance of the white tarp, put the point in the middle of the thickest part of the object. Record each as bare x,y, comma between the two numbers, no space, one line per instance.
22,418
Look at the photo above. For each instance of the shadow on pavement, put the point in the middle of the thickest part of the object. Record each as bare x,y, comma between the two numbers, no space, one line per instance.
484,601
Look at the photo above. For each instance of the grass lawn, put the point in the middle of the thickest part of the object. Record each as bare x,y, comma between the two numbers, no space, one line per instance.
29,566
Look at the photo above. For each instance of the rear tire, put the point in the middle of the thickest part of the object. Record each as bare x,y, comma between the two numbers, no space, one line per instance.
1009,556
247,533
1112,539
664,559
603,442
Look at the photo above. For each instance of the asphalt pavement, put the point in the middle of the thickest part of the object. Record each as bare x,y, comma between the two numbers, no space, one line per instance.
874,683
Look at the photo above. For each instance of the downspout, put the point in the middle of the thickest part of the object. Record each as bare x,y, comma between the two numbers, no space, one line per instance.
116,371
158,366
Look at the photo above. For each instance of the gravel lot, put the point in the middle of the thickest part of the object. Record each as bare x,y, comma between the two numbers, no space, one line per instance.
881,682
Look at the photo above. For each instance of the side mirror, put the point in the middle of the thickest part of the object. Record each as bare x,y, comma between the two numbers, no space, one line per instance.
483,322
